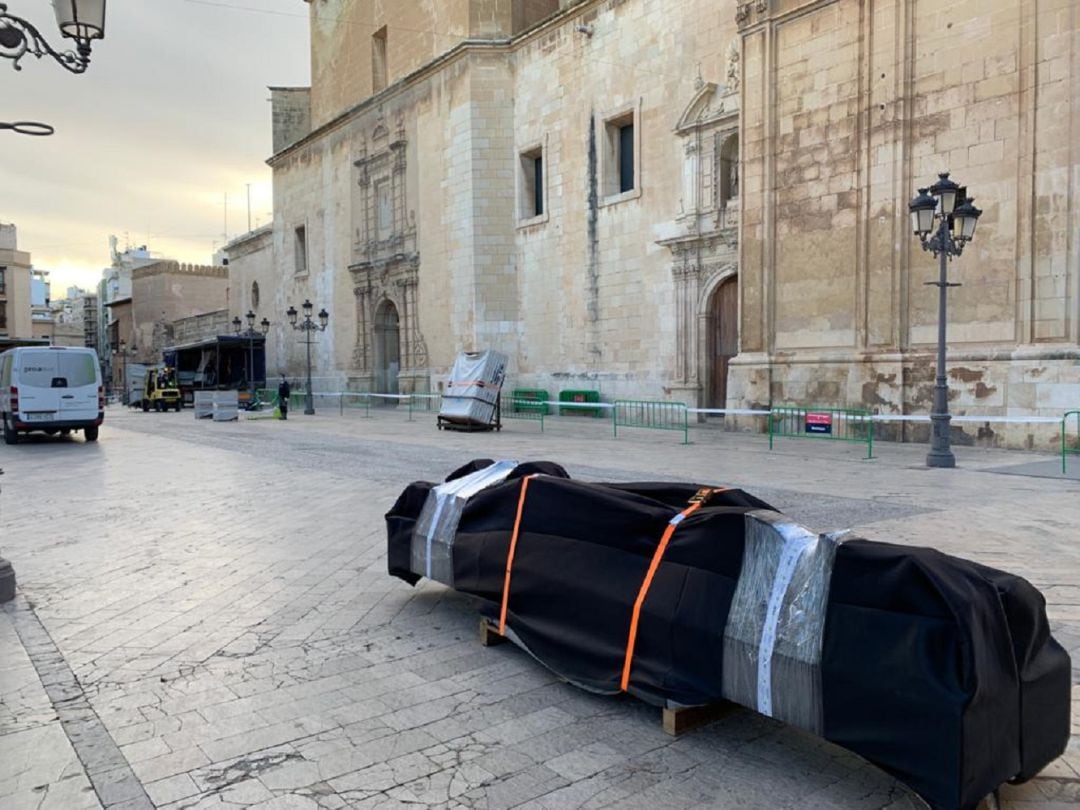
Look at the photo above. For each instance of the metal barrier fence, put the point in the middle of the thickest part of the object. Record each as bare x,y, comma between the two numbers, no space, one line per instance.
523,407
424,403
835,424
1069,447
653,415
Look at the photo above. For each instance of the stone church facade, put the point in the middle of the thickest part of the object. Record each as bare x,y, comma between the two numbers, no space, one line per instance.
703,201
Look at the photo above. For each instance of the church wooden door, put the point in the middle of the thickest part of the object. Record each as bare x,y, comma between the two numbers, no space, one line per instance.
724,328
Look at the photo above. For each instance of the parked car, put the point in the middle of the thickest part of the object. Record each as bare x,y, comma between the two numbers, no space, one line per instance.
50,389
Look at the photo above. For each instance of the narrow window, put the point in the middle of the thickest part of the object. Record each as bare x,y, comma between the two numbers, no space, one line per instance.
3,281
729,170
538,185
255,296
300,250
626,157
384,210
378,60
619,161
532,183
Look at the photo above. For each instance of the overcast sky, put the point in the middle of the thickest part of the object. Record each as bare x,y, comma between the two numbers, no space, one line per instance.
171,116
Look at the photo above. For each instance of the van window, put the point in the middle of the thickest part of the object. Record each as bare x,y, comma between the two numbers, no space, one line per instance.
37,368
77,368
5,372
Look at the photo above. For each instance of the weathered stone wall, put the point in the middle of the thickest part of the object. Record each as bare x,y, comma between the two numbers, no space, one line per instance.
163,293
290,112
252,274
847,109
841,109
597,307
200,327
341,51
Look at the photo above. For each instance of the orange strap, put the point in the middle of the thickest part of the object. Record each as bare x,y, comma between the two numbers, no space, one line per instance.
510,552
478,383
695,503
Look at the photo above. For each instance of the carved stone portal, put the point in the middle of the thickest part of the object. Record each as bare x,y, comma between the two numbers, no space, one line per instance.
386,271
705,245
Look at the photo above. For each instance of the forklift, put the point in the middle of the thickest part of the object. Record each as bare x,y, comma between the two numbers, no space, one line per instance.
160,391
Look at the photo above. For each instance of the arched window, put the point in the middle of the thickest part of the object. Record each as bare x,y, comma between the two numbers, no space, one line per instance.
255,296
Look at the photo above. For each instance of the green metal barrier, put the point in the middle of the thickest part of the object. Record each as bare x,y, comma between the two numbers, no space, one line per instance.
354,399
1069,447
424,403
513,407
836,424
576,397
529,399
653,415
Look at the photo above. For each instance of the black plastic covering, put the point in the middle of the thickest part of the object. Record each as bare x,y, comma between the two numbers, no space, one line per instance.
940,671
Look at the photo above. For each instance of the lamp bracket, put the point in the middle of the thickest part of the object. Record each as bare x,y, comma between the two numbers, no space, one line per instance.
19,38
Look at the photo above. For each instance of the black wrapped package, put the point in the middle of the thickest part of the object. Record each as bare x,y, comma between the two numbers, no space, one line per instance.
940,671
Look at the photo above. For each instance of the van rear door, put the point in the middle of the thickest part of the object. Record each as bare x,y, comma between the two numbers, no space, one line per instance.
79,397
35,371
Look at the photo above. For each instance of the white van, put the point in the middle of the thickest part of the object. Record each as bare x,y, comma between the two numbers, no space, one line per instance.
53,389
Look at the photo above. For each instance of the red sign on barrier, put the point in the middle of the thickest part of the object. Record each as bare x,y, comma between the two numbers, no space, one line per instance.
819,423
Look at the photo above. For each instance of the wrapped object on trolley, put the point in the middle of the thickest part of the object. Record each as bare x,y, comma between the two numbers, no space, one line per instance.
472,391
938,670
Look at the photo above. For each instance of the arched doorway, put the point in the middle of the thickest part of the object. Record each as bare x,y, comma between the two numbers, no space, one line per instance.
723,338
387,348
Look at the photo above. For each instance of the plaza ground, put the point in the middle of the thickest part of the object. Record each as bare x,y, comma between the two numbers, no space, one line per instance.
205,620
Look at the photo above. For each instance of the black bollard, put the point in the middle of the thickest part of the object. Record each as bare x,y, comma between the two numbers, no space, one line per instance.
7,578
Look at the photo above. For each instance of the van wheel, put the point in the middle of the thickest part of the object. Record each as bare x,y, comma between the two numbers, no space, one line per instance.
179,405
145,406
91,433
11,436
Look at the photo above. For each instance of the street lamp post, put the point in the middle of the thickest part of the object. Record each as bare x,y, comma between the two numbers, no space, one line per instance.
309,328
944,227
251,333
123,352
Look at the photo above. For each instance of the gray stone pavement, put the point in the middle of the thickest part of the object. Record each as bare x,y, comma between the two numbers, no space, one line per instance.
204,620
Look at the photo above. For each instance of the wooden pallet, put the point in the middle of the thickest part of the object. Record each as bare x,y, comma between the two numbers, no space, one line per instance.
675,721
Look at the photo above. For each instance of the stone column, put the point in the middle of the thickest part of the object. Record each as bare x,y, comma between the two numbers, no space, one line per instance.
686,272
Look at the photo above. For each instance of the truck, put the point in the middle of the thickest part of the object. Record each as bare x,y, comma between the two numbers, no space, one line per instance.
219,363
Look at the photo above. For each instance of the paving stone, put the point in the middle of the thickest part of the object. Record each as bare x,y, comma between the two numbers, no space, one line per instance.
252,651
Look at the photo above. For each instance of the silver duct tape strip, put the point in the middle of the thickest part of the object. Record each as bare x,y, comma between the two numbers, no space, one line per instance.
773,637
431,551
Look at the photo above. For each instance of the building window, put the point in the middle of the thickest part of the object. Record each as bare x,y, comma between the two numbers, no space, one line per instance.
384,211
729,170
3,281
255,296
3,317
378,60
532,183
620,165
300,250
626,157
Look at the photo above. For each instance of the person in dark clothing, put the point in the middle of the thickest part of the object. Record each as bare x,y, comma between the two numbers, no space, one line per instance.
283,392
